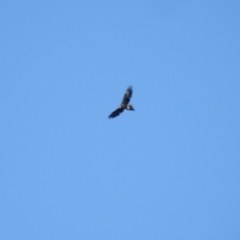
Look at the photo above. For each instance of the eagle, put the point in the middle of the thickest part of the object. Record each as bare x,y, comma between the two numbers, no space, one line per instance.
124,104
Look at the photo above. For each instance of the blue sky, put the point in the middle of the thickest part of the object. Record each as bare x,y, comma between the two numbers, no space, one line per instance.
169,170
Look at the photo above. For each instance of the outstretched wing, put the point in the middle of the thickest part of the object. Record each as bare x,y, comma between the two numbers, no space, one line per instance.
127,96
116,112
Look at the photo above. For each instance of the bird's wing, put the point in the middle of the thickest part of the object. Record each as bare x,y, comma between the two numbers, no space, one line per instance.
127,96
116,112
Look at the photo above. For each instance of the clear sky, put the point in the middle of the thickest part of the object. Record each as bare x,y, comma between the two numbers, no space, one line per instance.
169,170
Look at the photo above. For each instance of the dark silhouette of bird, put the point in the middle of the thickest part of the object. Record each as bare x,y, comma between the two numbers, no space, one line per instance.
124,105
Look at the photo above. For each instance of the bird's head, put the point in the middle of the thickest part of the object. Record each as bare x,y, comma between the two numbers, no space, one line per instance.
130,107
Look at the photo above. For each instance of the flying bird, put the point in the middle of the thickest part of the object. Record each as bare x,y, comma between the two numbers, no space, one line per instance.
124,104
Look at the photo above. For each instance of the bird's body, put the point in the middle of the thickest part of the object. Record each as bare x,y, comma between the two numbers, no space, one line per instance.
124,105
